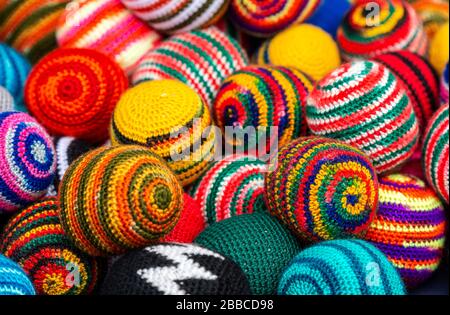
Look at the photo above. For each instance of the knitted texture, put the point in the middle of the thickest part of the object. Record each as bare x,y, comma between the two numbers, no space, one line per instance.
13,280
329,14
178,16
439,49
444,86
175,269
168,117
304,47
264,96
108,27
341,267
36,241
201,59
260,245
137,200
73,92
433,13
435,152
363,104
409,227
375,27
6,100
27,161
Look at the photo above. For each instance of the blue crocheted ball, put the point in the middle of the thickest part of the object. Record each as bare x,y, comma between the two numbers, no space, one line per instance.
13,280
329,15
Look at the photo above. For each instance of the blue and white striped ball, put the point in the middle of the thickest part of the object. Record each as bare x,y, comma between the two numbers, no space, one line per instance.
13,279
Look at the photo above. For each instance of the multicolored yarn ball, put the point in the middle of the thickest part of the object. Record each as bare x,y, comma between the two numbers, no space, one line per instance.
175,269
329,14
202,59
6,100
258,243
108,27
433,13
36,241
116,199
73,92
363,104
30,25
375,27
13,279
439,49
444,86
170,118
409,227
265,19
435,154
341,267
305,47
27,161
175,16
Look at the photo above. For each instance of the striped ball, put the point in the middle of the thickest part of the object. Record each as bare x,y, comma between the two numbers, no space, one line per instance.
444,86
439,49
170,118
13,279
341,267
375,27
27,161
409,227
178,16
433,13
137,200
108,27
73,92
329,15
435,154
364,105
36,241
201,59
6,100
322,189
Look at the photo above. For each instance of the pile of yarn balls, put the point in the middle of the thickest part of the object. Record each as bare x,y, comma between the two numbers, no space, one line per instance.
226,147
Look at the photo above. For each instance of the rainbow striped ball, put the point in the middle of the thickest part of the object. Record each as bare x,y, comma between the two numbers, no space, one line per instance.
322,189
13,279
363,104
120,198
444,86
27,161
435,154
409,227
434,13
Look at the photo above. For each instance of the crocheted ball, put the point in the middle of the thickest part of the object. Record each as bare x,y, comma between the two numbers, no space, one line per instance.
175,16
168,117
375,27
6,100
73,92
137,200
435,154
108,27
305,47
433,13
260,245
341,267
329,14
263,96
36,241
439,49
13,280
409,227
175,269
444,86
202,59
364,105
264,19
27,161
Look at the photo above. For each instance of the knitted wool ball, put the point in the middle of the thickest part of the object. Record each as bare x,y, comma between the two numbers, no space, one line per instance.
329,14
341,267
73,92
444,86
409,227
36,241
433,13
167,116
264,96
27,161
304,47
13,280
108,27
137,200
178,16
202,59
260,245
175,269
6,100
375,27
435,154
264,19
363,104
439,49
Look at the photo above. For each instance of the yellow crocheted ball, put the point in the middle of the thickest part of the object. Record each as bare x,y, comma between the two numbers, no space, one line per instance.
305,47
439,51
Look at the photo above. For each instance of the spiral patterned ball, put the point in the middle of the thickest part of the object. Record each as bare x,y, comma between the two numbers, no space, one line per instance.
433,13
27,161
116,199
73,92
322,189
444,86
13,279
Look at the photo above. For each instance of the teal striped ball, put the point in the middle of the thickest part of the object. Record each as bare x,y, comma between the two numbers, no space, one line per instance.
13,279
